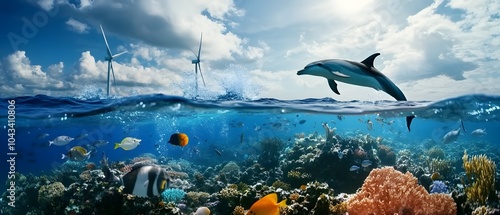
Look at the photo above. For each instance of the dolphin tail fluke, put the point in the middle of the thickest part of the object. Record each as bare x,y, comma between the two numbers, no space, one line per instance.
408,121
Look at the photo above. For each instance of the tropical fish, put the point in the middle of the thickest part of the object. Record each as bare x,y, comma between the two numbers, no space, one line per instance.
100,143
366,163
267,205
436,176
340,117
302,121
369,125
76,153
41,136
179,139
146,180
340,154
61,140
128,143
218,152
354,168
81,136
108,174
479,132
451,136
202,211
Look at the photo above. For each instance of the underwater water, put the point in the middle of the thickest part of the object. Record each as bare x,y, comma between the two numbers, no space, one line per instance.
223,131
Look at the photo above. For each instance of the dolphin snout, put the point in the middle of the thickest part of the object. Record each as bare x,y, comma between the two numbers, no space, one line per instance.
301,72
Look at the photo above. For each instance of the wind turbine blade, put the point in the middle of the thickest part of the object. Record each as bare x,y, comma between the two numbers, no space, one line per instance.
193,53
116,55
113,71
106,41
199,49
202,75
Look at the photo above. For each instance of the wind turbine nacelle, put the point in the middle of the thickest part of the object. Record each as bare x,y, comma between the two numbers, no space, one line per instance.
108,58
195,61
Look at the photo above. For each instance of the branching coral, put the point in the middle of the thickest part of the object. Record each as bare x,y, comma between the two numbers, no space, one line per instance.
435,152
387,191
441,166
269,157
480,171
238,210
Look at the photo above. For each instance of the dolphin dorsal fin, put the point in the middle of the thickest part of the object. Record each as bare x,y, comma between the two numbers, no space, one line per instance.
368,62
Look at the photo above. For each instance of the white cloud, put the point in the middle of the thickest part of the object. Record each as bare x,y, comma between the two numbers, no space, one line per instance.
77,26
46,4
19,77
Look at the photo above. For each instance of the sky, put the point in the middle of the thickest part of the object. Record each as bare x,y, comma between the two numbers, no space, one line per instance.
431,50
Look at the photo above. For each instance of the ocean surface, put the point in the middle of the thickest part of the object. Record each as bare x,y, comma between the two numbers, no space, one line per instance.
231,127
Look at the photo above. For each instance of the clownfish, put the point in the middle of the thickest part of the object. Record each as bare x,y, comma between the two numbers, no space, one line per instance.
179,139
268,205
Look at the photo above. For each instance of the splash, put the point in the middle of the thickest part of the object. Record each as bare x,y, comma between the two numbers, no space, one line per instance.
90,92
233,83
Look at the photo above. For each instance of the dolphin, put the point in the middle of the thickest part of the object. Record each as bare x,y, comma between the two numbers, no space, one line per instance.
357,73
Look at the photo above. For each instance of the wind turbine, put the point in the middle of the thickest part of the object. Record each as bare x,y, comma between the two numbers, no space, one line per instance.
197,66
110,58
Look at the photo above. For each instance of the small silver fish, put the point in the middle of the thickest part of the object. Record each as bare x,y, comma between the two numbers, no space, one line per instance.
43,135
100,143
366,163
340,154
81,136
354,168
61,140
479,132
451,136
369,125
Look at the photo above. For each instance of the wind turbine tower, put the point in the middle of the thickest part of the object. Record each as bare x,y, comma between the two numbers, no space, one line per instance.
110,58
197,66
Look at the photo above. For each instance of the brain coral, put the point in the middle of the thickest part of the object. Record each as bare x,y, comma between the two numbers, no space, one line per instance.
387,191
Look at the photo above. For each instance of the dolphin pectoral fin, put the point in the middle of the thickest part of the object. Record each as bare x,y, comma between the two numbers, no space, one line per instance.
408,121
339,74
368,62
333,86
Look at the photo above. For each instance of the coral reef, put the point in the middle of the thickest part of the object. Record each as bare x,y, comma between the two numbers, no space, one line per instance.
386,155
401,194
435,153
269,157
238,210
50,195
480,172
173,195
438,187
443,167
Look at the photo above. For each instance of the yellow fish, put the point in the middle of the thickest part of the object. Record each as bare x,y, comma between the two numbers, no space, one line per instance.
267,206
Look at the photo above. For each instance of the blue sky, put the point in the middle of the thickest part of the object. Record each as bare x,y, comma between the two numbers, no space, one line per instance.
430,49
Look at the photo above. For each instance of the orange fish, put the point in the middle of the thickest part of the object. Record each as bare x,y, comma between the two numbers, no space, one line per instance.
303,187
267,206
179,139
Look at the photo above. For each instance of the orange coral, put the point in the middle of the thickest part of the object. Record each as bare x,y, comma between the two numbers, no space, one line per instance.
387,191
